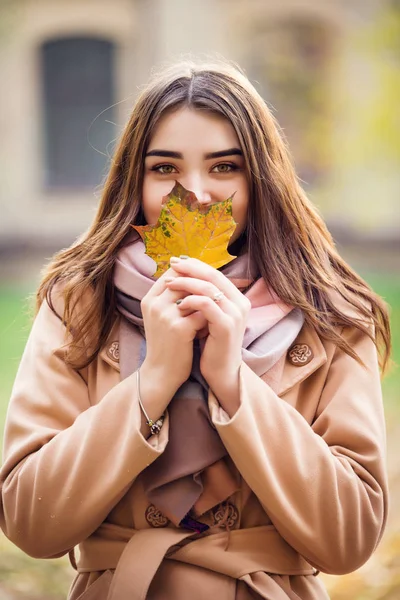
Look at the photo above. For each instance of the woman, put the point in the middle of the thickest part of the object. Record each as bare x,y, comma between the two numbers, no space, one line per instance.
213,433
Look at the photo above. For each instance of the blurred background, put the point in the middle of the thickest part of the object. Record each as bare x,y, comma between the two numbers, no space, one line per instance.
70,71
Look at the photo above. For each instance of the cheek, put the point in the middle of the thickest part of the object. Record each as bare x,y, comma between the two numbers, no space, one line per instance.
152,196
240,207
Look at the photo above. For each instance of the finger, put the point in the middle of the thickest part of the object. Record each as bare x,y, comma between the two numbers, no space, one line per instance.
198,321
160,284
161,300
168,296
202,333
192,267
189,285
213,312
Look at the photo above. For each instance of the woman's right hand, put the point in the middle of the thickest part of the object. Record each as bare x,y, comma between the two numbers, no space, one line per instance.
169,339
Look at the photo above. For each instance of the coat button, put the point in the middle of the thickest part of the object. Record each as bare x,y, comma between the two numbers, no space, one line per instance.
226,514
155,518
300,355
113,351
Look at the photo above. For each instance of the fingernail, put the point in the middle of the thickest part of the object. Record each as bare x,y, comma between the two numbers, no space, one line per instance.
184,256
178,302
169,279
174,259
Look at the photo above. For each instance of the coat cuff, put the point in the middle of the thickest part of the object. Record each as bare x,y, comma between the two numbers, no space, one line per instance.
220,417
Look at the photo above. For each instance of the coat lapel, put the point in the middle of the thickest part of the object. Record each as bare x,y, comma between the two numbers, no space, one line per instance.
110,351
295,373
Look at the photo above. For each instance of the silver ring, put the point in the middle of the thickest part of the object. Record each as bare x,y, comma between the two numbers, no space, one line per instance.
218,296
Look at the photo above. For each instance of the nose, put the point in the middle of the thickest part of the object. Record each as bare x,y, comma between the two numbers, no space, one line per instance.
203,196
198,186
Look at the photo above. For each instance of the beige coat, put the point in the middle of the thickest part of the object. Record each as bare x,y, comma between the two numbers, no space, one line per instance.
310,461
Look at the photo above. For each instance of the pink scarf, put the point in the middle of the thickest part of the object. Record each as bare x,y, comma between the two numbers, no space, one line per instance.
193,474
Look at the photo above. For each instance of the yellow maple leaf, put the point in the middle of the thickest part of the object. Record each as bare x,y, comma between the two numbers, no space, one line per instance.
187,227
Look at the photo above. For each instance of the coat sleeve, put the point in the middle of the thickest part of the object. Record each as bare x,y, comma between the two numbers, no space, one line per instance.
66,463
323,486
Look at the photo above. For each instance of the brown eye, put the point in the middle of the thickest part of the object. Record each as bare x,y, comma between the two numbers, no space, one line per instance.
163,169
224,168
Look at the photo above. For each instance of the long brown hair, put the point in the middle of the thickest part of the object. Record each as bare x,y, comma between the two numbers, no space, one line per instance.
288,240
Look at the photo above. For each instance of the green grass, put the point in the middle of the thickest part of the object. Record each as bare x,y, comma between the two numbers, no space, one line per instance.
15,323
389,288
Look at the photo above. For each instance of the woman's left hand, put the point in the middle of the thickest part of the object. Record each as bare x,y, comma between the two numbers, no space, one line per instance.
226,314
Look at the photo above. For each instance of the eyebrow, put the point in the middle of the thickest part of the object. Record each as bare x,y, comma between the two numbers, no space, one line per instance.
208,156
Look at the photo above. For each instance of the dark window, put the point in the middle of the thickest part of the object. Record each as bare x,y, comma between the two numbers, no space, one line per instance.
77,86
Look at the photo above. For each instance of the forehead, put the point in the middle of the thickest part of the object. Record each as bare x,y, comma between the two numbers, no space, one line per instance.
188,127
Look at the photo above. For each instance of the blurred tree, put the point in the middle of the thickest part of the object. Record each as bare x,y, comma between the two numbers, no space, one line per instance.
292,61
363,194
375,116
381,115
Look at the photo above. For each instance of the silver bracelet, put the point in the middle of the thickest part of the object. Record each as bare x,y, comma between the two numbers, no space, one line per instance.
154,426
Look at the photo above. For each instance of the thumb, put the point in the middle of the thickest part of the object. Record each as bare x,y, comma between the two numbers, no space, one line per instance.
198,322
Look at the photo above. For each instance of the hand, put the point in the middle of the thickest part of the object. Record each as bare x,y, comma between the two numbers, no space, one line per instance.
169,337
198,284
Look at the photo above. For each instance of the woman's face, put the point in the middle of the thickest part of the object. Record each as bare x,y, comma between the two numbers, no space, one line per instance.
201,151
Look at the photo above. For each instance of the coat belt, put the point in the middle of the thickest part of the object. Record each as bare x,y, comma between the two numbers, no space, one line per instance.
136,555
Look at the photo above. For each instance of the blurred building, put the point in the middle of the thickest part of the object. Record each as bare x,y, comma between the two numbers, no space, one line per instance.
70,70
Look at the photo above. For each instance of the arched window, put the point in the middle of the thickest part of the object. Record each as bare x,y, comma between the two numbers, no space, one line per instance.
77,87
292,61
